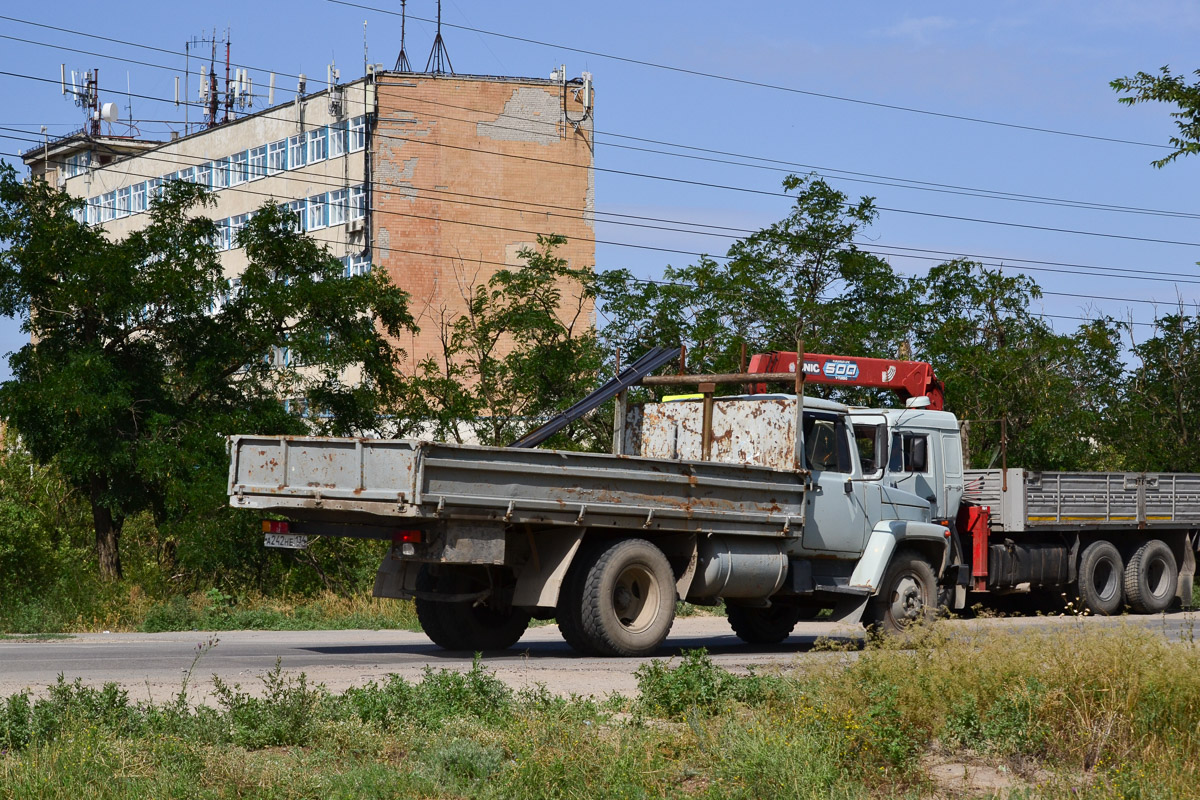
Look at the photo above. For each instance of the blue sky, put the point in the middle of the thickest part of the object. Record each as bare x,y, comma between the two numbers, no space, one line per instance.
1043,65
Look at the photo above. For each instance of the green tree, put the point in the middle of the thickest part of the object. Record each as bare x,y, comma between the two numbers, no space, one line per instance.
801,277
1000,361
143,354
524,349
1166,87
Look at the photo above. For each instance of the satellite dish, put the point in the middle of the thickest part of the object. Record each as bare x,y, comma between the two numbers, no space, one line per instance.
109,112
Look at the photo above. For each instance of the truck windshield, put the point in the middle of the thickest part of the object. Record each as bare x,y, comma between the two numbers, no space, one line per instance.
826,444
872,447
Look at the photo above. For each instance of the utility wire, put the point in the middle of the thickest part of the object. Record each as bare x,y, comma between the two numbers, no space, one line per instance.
775,165
762,84
1114,272
725,187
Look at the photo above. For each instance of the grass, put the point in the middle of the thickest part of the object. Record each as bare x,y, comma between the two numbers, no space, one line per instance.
1077,713
133,610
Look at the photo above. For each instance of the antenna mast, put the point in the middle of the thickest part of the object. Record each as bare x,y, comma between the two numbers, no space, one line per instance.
439,59
402,64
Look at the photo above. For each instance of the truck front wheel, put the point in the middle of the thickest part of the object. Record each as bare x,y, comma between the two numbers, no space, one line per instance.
907,594
627,599
1101,574
1151,577
475,624
763,625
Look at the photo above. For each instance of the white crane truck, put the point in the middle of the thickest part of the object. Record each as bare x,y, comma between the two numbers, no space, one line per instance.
868,513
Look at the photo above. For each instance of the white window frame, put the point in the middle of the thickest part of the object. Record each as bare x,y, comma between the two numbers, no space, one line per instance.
357,264
335,146
108,206
137,198
315,145
299,209
258,162
187,175
357,134
220,173
204,174
239,168
316,212
123,198
338,206
277,157
296,151
93,210
357,207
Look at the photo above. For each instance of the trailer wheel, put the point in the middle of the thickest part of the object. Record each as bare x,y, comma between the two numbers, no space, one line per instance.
1100,577
1151,578
467,625
907,595
627,602
763,625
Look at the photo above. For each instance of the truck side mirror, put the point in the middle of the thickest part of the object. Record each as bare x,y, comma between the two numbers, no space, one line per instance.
918,454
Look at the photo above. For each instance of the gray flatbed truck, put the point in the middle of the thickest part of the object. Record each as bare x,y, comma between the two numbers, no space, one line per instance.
780,513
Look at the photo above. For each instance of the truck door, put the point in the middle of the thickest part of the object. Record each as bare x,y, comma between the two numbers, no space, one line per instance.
914,466
836,513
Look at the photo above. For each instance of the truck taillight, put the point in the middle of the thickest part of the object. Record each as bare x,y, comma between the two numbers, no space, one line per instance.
274,526
406,537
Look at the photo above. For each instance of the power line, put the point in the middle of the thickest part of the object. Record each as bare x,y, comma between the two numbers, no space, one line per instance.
846,175
506,265
1115,272
764,85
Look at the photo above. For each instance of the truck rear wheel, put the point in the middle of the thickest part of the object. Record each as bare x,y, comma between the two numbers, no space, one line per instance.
627,599
907,594
569,613
763,625
1101,574
1151,577
465,624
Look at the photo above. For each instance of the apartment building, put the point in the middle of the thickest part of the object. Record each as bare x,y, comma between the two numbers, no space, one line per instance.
437,179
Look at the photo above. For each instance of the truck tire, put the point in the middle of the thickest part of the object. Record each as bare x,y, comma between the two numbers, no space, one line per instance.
1100,577
763,625
627,598
907,594
1151,578
569,613
466,625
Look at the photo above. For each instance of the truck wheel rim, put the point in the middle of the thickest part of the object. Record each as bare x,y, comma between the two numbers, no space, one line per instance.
635,598
1105,579
908,601
1156,577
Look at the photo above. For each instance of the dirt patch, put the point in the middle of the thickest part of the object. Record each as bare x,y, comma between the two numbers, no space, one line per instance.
957,776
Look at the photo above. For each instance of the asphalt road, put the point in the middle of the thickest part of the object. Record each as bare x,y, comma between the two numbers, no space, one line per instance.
153,666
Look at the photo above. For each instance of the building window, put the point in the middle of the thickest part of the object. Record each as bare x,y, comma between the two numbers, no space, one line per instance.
358,133
358,202
137,199
316,212
236,224
337,139
204,174
123,202
186,175
93,211
154,188
239,168
316,145
258,162
220,173
108,206
357,265
277,157
224,239
296,151
337,206
297,209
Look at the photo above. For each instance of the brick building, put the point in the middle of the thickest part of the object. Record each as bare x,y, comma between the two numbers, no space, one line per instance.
437,179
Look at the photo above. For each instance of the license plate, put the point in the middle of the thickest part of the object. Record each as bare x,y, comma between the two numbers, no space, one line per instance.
288,541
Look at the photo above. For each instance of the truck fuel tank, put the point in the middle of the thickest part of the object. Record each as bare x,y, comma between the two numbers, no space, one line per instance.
738,568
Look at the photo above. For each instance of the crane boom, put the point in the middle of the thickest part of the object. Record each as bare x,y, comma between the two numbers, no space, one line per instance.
905,378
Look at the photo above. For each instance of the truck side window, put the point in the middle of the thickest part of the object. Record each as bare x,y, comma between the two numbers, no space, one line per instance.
826,443
872,447
910,453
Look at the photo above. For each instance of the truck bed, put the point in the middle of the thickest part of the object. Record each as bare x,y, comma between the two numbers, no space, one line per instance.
1094,500
375,480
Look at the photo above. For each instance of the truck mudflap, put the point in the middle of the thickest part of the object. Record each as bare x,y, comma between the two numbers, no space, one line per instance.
886,537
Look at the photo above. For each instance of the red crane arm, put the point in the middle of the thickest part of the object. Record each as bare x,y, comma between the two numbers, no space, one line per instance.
905,378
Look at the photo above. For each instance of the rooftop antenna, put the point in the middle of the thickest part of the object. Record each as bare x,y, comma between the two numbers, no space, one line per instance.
439,59
402,64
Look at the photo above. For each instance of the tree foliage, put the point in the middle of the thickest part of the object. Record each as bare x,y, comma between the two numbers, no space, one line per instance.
1166,87
143,354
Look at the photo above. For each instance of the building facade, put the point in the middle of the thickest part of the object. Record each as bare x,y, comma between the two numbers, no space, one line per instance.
439,180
